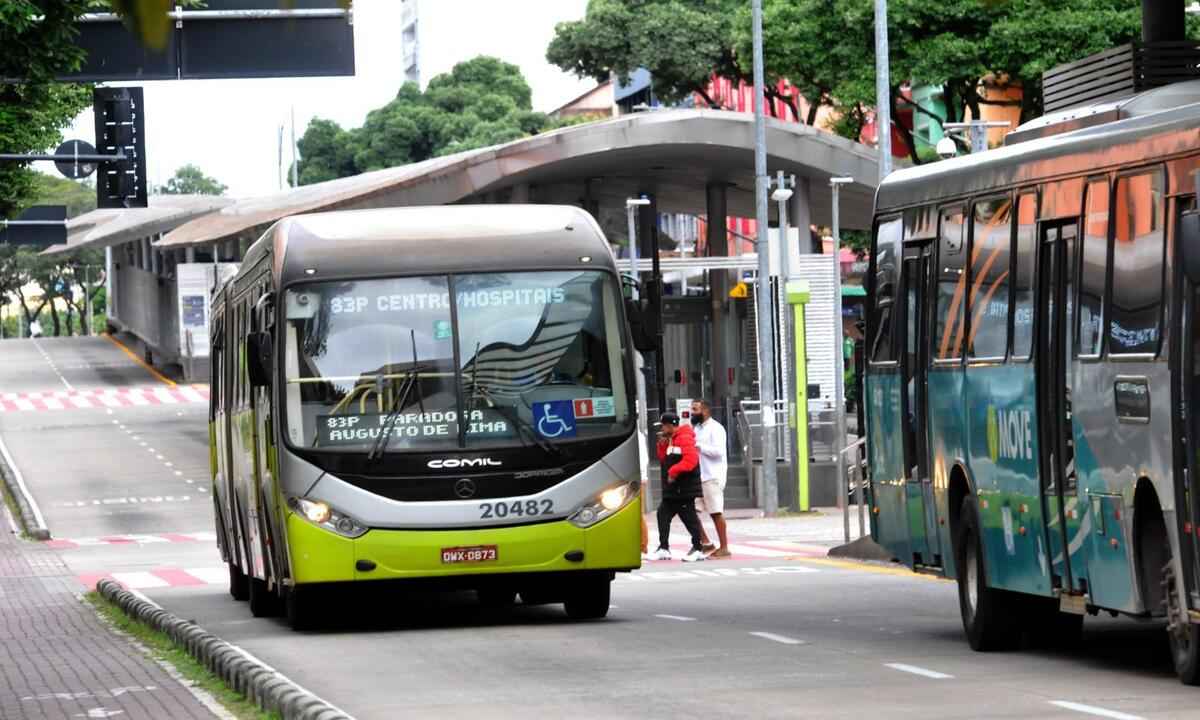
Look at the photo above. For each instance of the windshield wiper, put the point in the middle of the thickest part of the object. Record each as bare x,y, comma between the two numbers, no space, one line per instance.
412,379
464,422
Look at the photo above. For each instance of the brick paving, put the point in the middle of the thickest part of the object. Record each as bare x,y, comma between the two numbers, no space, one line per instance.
58,660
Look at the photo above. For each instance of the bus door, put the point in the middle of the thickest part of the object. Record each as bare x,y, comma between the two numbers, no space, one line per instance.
1189,393
1055,442
916,279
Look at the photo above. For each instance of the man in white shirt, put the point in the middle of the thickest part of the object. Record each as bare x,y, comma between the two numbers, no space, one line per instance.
714,466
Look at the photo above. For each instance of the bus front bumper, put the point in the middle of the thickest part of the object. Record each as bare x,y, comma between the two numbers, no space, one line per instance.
321,556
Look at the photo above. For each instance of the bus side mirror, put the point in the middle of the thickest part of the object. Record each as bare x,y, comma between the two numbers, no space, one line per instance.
639,326
258,351
1189,245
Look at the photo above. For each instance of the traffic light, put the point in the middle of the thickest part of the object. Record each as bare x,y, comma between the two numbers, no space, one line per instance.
120,129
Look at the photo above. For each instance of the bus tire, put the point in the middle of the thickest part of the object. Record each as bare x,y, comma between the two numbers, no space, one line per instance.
263,602
983,609
300,605
239,584
589,600
1185,638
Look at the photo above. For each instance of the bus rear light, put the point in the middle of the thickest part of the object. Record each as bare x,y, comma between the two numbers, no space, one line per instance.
320,514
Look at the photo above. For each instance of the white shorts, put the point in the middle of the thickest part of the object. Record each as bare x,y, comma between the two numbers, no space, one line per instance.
713,501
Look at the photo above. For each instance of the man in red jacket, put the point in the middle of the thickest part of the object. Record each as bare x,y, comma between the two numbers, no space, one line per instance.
679,461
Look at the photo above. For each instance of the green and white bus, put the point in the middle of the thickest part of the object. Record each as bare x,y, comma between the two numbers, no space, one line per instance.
1033,375
440,395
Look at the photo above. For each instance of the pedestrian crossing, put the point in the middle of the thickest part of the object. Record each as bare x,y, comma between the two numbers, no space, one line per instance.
111,540
103,398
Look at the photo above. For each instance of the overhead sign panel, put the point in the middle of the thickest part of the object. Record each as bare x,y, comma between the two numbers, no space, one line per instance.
39,226
224,39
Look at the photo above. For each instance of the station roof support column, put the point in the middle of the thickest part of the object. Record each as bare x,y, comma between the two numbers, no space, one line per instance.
717,244
800,214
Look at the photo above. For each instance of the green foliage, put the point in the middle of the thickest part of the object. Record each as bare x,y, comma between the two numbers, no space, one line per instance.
38,41
824,47
78,197
681,42
480,102
190,180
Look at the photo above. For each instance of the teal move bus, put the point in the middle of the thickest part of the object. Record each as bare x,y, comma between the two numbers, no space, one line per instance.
1032,377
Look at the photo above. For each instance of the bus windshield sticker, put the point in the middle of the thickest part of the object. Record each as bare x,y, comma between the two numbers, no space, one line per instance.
554,419
595,407
416,427
442,330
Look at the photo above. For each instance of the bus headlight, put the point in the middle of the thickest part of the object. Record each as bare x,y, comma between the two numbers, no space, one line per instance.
604,504
320,514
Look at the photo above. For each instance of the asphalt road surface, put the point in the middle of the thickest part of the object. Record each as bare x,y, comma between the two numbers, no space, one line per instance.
772,634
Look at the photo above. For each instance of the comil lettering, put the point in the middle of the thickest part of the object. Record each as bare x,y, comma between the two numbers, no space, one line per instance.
1009,434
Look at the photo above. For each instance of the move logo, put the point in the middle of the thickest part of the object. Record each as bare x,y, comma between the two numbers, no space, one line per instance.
1009,434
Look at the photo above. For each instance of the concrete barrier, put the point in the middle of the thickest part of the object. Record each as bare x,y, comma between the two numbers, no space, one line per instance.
260,684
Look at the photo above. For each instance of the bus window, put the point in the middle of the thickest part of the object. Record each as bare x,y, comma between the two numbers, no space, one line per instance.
920,223
1093,271
1137,264
1023,287
1061,199
992,227
888,240
951,282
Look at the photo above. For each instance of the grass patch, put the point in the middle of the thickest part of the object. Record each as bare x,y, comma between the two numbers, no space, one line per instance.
163,648
13,508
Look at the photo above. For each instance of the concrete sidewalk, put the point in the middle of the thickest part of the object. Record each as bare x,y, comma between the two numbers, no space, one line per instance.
822,528
58,660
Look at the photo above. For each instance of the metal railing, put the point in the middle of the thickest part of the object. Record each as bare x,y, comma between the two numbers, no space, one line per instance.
855,484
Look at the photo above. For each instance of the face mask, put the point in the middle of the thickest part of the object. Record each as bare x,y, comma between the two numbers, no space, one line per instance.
697,419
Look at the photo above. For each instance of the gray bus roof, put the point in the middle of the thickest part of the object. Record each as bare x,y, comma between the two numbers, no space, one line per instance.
431,240
1089,150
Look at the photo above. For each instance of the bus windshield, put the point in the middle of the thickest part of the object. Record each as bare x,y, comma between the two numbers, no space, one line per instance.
467,361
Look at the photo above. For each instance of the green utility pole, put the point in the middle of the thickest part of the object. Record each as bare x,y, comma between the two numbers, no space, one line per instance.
797,297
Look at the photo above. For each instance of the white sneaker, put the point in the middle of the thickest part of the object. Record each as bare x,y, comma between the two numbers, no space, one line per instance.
660,554
694,556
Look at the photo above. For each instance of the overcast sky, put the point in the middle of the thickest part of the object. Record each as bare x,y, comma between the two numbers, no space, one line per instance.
229,127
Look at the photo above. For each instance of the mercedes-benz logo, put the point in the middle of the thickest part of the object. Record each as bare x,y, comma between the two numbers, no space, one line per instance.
464,489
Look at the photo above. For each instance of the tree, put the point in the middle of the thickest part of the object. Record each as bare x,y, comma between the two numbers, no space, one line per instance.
190,180
78,197
683,43
480,102
38,37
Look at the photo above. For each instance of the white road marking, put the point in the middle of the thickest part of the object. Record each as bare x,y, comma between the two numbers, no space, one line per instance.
919,671
680,618
140,580
210,575
1093,710
778,638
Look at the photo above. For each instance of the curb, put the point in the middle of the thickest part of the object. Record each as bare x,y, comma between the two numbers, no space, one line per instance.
30,519
260,684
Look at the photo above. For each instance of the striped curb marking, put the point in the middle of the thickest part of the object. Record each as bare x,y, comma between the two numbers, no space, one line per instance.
106,398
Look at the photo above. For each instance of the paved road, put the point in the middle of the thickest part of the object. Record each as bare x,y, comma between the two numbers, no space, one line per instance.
766,638
768,634
107,448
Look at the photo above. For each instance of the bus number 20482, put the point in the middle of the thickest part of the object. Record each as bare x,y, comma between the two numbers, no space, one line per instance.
517,508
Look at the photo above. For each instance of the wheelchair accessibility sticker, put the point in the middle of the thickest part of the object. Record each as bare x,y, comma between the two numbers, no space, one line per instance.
554,419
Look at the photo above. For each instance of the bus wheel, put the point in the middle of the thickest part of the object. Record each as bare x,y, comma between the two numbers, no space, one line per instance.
239,585
301,607
589,600
982,608
1185,636
263,602
496,598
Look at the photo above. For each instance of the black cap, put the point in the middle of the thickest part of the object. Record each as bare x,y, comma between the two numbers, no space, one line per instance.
668,418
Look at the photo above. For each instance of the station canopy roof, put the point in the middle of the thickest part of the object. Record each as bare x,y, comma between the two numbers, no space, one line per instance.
102,228
673,154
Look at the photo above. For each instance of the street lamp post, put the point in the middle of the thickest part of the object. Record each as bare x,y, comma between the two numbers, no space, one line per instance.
883,90
839,442
765,315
